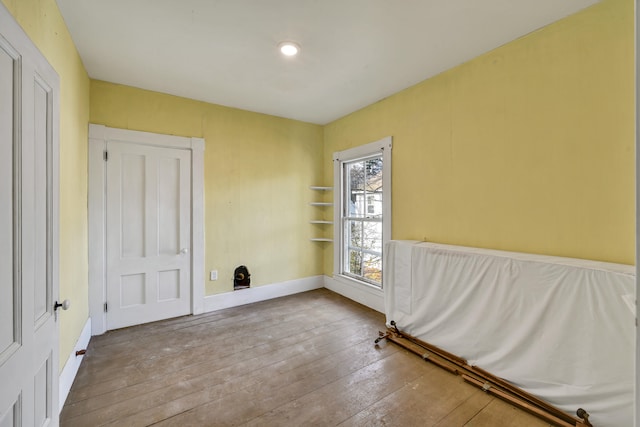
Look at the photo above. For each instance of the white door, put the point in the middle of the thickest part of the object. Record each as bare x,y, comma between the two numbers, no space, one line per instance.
28,231
148,233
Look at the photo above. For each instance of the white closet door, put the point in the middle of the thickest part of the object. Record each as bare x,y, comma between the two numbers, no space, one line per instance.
28,231
148,233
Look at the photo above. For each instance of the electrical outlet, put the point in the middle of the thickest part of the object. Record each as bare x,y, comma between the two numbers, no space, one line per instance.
213,275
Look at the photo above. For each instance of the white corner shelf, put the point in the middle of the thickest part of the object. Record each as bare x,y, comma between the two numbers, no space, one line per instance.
321,204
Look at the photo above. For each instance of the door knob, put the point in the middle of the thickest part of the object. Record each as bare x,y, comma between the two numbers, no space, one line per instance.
64,304
184,251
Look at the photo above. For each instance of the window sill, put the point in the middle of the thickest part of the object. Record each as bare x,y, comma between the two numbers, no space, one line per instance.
355,290
372,289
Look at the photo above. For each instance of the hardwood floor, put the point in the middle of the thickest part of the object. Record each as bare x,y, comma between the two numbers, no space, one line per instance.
302,360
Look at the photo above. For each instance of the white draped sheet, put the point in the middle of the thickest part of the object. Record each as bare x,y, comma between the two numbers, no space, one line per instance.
561,329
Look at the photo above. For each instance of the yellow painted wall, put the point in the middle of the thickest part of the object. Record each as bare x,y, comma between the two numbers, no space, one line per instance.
528,148
258,170
43,23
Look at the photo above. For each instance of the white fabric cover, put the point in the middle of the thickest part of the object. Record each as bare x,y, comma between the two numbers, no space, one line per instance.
561,329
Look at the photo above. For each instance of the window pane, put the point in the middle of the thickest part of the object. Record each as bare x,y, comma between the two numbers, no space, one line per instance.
372,236
372,267
355,262
373,186
355,189
355,233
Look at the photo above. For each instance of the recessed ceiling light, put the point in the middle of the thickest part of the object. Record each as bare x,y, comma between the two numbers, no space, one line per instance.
289,48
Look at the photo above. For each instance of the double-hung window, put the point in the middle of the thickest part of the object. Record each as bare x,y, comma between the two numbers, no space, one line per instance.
362,176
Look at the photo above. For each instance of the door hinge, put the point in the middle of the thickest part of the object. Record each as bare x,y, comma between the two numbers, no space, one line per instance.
106,155
106,307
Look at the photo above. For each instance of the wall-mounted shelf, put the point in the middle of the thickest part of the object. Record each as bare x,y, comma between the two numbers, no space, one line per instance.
321,204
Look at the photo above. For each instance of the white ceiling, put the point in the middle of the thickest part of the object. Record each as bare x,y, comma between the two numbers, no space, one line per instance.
354,52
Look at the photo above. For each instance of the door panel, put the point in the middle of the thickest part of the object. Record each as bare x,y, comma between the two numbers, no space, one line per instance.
133,205
10,419
8,202
41,127
169,206
28,231
42,396
132,290
11,336
148,233
168,285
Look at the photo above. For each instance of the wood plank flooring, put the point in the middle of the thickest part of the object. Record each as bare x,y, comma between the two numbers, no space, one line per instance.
302,360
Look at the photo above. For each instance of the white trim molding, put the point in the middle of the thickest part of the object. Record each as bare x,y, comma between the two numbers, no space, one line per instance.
357,291
98,137
96,233
261,293
70,370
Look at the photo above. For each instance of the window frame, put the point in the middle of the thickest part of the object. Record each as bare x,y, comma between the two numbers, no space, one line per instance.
340,158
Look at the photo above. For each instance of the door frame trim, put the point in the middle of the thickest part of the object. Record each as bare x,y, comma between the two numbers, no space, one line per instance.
98,137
